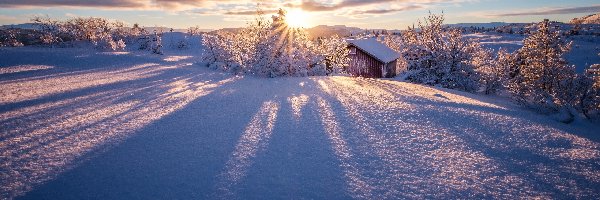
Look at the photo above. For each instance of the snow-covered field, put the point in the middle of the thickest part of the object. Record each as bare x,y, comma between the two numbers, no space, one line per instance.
81,124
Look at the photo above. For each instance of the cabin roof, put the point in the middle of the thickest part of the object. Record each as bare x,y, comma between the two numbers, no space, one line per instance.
376,49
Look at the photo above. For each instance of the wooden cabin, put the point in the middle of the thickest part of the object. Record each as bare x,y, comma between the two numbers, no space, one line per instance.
371,58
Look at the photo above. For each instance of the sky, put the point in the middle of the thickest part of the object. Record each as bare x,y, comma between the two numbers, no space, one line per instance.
216,14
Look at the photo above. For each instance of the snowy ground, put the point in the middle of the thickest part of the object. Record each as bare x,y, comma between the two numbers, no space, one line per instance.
79,124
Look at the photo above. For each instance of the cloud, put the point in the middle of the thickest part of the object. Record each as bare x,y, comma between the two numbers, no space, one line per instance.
131,4
72,3
387,11
313,5
553,11
249,12
233,7
310,5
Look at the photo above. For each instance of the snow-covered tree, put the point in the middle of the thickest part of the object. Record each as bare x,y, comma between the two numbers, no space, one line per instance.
335,53
271,48
436,55
540,74
494,72
156,43
285,51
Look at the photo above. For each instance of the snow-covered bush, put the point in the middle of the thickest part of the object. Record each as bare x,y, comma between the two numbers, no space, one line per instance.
589,90
92,29
438,55
182,44
272,48
120,45
9,38
49,30
111,45
594,72
193,31
217,50
100,33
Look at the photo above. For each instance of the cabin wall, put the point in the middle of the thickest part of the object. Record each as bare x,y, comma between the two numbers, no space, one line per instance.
363,65
391,69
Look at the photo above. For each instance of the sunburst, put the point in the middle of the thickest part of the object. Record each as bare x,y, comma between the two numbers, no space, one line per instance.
297,18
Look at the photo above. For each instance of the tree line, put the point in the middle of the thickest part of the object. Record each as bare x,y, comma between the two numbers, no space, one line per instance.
271,48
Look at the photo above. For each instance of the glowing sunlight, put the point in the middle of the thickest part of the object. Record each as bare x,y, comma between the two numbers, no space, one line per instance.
297,18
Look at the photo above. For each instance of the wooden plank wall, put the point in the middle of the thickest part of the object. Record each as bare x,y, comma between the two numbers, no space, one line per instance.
362,64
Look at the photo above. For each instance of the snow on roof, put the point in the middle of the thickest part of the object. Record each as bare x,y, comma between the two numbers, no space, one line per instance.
376,49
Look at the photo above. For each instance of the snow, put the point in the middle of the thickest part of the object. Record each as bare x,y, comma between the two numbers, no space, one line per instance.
82,124
510,42
376,49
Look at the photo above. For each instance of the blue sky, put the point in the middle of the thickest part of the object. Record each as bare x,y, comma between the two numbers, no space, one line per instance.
213,14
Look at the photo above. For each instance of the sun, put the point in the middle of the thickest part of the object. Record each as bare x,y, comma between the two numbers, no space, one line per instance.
297,18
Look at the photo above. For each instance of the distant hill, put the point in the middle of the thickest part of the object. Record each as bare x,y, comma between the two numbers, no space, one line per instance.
590,19
20,26
327,31
232,30
167,29
479,25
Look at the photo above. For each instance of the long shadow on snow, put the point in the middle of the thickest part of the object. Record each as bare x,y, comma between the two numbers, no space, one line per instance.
552,162
503,108
66,60
55,143
298,161
189,161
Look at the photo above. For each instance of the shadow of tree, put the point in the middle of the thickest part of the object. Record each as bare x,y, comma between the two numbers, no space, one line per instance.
459,146
48,134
